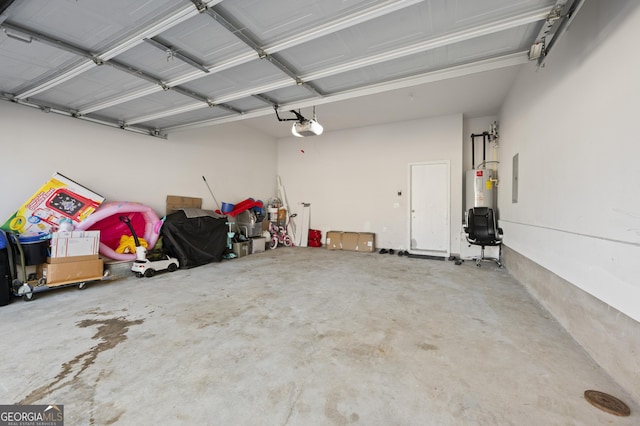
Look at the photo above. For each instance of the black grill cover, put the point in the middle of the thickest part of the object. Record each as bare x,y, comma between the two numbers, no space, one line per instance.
194,241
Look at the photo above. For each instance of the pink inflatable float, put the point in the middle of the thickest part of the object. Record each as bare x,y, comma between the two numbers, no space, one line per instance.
106,219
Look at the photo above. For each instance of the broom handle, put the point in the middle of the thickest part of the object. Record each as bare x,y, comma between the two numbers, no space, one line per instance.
211,192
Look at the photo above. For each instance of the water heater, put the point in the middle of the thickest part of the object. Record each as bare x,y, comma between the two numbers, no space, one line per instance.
480,189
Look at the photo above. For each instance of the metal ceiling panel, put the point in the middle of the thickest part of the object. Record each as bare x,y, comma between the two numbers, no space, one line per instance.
288,95
381,34
447,56
92,24
97,83
270,21
404,32
188,117
165,63
160,64
203,38
513,40
473,12
247,104
256,73
150,104
26,61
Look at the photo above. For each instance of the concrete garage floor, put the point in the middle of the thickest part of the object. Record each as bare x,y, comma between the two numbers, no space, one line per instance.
302,336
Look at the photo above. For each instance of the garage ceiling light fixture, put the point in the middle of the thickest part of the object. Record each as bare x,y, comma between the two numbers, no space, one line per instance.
302,126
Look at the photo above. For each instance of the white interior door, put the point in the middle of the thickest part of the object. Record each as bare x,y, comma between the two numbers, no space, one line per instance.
430,227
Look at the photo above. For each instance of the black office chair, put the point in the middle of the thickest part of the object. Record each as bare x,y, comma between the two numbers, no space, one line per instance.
482,231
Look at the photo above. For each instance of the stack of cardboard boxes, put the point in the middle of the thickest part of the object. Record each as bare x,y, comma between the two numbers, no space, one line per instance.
74,258
351,241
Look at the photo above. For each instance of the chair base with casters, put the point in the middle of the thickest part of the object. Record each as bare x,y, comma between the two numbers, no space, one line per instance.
483,258
481,230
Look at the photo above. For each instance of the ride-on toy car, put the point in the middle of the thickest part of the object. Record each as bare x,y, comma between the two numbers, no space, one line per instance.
143,266
148,268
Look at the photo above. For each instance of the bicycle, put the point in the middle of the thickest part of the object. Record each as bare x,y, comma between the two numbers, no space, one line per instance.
280,234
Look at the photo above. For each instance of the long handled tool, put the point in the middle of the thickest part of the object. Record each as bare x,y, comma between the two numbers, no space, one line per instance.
283,197
211,192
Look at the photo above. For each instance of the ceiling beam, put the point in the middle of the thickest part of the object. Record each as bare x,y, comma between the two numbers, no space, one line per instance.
185,12
344,22
33,35
172,52
266,52
445,40
266,99
59,78
182,14
510,60
347,21
220,101
136,73
66,75
434,43
119,99
135,94
167,113
250,40
70,113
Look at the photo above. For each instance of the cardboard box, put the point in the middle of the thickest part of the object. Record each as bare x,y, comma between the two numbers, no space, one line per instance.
70,272
258,244
240,249
75,243
176,202
349,241
71,259
366,242
59,198
333,241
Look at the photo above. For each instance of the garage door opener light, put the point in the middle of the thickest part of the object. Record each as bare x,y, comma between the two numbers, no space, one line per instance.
303,126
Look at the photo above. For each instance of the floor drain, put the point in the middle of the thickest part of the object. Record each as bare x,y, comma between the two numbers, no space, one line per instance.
607,403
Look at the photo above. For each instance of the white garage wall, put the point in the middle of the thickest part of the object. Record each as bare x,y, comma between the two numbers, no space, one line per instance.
352,177
574,125
237,162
